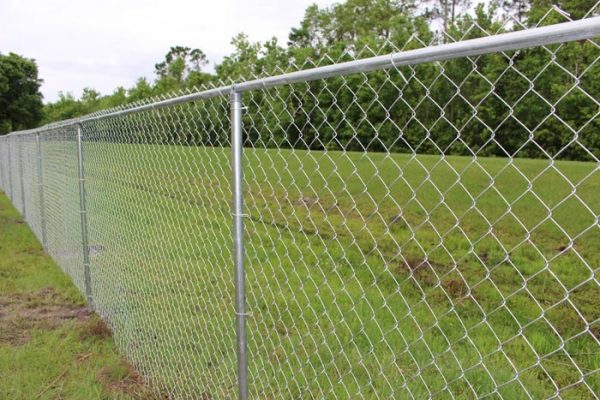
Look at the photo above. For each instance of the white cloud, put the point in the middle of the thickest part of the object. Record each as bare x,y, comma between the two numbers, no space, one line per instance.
110,43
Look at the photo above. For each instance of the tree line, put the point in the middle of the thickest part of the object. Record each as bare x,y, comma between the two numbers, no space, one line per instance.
532,103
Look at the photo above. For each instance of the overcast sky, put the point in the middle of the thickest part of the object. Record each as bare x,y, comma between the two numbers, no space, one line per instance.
109,43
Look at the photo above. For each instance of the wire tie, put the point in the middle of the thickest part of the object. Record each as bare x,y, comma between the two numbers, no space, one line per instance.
246,314
241,215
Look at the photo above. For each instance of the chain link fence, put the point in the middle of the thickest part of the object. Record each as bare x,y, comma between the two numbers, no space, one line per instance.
404,225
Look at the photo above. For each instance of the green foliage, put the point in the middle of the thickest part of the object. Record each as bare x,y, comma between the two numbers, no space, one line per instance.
179,61
181,68
576,9
20,98
341,24
243,63
530,103
142,90
64,108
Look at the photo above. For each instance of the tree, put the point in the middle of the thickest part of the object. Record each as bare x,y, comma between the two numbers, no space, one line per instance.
575,9
517,9
20,97
90,99
181,68
446,10
142,90
180,62
242,62
65,107
349,22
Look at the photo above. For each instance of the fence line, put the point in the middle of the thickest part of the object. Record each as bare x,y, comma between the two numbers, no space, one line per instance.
83,216
41,192
370,273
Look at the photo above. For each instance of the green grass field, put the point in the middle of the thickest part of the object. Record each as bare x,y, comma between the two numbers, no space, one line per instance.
51,347
368,276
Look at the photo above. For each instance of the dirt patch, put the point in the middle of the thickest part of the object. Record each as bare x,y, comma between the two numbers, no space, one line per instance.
12,220
456,288
429,274
45,309
421,270
121,378
595,331
95,328
125,379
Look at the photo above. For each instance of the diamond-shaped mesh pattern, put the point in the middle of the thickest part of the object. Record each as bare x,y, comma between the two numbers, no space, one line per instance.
31,183
14,163
61,197
158,195
422,231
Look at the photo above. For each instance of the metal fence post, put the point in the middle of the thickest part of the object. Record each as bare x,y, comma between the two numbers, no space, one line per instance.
22,183
83,214
3,164
10,182
238,242
41,191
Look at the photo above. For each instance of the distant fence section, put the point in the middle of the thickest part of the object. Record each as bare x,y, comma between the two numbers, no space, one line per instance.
418,224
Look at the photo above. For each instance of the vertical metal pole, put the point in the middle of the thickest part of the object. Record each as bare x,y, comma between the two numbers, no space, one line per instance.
10,181
83,213
238,242
41,191
3,164
24,207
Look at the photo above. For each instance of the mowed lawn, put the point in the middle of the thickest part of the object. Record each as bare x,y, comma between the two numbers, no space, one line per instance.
368,275
51,345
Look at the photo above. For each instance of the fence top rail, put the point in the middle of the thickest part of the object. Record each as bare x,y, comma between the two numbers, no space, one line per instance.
553,34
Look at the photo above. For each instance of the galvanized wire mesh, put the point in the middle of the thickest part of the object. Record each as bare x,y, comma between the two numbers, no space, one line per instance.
159,227
31,181
387,254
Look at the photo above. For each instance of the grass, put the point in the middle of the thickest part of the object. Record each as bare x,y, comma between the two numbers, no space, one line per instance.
51,346
368,275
